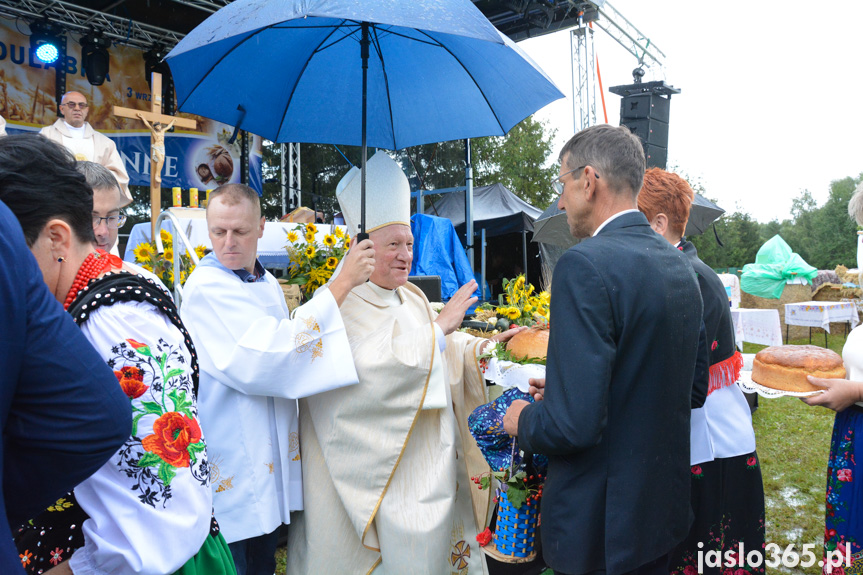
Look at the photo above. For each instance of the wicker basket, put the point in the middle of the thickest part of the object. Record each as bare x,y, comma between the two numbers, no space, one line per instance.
515,530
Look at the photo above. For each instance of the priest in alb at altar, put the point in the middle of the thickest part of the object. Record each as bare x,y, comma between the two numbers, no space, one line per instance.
387,463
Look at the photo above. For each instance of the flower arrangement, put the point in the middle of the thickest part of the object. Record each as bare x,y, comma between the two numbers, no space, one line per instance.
523,307
162,265
312,265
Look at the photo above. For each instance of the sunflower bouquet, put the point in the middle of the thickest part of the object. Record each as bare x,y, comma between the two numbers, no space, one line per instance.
312,265
523,306
162,265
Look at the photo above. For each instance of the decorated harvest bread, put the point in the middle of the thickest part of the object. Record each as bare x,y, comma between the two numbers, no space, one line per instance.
529,343
785,367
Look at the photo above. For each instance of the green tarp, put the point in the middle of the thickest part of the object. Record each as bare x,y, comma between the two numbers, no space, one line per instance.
775,264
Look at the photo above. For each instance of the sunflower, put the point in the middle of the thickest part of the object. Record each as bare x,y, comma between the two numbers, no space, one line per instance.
166,236
147,266
169,254
329,240
331,263
144,253
310,237
293,236
340,233
510,312
310,251
311,229
200,251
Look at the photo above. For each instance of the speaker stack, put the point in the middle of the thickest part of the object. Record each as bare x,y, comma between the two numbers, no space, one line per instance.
644,109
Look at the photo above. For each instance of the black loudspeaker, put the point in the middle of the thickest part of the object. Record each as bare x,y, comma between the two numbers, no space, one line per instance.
429,285
649,130
645,109
655,156
648,105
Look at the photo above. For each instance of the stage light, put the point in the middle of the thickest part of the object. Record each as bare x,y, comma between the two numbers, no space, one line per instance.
94,58
45,42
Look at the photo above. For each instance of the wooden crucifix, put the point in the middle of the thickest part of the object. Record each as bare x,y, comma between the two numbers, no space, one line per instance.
158,123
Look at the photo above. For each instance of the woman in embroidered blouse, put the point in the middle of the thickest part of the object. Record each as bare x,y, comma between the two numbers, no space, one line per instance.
149,509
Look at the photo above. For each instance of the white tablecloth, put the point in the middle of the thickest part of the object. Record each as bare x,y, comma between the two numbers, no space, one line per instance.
271,247
759,326
821,313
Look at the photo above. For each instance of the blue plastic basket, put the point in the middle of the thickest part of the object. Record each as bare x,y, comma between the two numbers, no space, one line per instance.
515,529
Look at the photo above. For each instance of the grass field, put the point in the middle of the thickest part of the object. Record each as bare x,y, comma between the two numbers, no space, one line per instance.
793,442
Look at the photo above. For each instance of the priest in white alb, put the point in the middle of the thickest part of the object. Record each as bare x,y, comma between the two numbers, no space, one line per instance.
75,133
387,463
256,359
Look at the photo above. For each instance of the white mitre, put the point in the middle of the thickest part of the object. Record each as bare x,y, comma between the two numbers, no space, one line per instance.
388,195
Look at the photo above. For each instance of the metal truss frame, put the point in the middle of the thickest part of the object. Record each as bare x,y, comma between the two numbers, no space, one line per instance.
85,20
583,76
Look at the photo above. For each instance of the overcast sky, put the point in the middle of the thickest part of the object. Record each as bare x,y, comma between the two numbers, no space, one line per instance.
772,93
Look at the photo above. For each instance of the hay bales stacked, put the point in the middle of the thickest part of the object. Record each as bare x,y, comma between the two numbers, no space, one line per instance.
793,293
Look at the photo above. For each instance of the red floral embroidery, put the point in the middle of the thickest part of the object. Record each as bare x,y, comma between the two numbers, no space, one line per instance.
843,475
172,434
484,538
131,381
714,345
56,556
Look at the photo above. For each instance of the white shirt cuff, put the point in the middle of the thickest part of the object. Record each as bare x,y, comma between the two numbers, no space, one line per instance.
441,341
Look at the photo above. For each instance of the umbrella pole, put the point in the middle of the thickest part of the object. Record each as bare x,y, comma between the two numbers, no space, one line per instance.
364,52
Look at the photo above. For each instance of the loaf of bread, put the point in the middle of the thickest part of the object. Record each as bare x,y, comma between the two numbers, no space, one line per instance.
528,344
785,367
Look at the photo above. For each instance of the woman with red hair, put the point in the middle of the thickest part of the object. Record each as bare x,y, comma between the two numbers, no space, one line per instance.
727,492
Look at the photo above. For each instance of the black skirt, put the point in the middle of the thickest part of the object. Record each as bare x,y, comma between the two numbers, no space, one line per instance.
728,501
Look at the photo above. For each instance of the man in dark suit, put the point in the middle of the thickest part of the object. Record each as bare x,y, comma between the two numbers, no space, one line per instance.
62,413
625,325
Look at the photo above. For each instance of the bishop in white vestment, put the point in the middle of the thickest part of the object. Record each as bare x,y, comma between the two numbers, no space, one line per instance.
255,361
387,463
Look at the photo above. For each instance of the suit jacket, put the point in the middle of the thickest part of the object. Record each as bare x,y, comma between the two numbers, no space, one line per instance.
106,151
625,322
62,411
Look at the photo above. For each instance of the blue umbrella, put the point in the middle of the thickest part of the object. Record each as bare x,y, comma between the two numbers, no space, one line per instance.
382,73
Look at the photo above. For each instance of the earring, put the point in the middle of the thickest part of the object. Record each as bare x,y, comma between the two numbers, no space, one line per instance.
61,259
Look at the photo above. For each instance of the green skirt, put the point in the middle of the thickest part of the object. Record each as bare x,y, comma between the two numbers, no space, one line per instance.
214,558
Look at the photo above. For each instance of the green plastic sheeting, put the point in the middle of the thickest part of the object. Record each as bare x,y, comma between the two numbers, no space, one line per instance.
775,264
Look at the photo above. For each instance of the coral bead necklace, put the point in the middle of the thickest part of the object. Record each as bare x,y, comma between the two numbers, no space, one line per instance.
94,266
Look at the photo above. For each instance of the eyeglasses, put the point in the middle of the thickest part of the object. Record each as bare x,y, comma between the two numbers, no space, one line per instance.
79,105
557,185
110,221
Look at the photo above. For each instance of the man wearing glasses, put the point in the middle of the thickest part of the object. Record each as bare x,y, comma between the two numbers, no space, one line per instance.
78,136
625,334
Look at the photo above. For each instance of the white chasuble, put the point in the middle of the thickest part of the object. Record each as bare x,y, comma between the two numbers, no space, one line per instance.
388,485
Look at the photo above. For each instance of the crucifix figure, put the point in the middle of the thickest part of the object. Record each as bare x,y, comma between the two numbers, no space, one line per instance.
158,123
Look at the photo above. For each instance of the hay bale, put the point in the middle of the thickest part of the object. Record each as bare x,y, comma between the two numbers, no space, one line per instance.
293,296
793,293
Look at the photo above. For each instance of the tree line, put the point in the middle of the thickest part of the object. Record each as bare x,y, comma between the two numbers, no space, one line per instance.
824,236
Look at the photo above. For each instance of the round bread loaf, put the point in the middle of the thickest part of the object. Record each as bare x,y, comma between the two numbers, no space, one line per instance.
786,367
529,343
